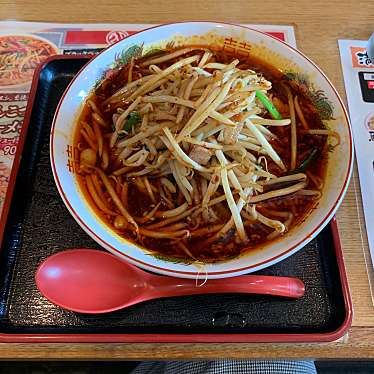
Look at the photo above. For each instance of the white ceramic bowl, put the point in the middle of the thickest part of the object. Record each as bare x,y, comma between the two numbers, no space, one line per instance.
279,54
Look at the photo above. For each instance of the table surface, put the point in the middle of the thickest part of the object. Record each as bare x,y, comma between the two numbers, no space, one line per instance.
318,25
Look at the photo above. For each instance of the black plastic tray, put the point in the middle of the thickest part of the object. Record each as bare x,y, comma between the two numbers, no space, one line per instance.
38,225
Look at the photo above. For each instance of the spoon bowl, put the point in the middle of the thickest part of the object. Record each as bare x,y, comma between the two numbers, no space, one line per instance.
91,281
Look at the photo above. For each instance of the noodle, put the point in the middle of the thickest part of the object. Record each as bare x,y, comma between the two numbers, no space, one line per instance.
168,57
88,139
300,114
98,201
164,234
99,138
170,186
172,212
124,194
149,215
293,127
116,199
277,193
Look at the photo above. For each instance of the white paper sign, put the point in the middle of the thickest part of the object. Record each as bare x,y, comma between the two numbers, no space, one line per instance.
358,71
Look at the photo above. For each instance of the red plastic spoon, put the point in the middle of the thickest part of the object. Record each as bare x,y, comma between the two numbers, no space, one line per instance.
89,281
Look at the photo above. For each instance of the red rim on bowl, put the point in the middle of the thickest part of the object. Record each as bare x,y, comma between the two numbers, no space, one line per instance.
307,238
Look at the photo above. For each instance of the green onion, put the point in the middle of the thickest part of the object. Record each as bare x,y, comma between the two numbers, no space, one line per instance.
268,105
132,119
304,165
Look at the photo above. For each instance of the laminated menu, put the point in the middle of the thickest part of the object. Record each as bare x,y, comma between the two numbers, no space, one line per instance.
358,71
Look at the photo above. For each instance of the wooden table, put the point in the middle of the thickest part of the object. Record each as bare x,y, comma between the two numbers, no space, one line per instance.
318,25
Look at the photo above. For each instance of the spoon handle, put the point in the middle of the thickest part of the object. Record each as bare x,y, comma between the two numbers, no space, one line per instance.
253,284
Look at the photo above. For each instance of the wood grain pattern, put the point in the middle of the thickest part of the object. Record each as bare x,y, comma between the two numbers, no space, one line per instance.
318,25
357,344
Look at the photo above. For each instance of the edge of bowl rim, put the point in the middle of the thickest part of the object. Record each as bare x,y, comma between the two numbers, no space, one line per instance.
214,274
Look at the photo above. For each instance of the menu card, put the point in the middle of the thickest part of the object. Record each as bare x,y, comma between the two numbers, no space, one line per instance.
24,45
358,71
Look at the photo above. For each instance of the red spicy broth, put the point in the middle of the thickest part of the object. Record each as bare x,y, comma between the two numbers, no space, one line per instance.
152,200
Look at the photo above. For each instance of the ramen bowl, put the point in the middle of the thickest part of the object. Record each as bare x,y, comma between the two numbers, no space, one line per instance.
243,41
